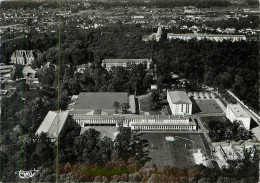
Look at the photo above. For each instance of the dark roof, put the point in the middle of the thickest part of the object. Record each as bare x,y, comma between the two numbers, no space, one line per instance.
100,100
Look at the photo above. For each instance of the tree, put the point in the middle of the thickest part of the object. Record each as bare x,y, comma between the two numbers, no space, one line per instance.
155,99
17,72
125,107
122,149
116,105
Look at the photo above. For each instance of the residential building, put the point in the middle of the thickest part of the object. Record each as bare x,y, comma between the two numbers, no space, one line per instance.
235,112
126,63
179,102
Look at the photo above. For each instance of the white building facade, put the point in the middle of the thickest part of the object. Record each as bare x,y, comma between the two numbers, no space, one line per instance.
179,102
24,57
236,113
138,122
126,63
211,37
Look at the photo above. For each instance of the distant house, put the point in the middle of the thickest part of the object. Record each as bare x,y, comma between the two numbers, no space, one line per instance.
179,102
54,124
28,72
5,71
235,112
126,63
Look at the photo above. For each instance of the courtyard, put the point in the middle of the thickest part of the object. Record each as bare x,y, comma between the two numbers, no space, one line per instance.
208,106
178,152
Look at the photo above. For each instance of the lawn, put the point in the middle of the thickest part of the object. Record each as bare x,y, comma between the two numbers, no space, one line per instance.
177,153
145,103
208,106
145,106
205,120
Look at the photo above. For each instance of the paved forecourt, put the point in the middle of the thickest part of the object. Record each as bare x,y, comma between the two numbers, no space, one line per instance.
177,153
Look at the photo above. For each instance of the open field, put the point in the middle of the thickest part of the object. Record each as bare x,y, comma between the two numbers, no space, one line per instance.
205,120
178,153
208,106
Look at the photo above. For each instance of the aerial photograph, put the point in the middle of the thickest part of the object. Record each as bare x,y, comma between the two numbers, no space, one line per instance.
138,91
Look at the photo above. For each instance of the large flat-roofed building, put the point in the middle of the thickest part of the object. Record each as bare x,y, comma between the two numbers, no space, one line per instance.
211,37
179,102
126,63
236,113
54,123
102,103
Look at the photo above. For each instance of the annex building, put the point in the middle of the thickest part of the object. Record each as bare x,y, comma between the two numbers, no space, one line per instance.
235,112
179,102
126,63
54,123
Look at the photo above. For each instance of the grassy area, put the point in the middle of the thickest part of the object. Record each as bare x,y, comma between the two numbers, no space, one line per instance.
145,106
206,120
208,106
145,103
177,153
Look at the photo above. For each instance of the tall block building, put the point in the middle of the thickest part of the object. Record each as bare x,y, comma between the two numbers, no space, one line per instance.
179,102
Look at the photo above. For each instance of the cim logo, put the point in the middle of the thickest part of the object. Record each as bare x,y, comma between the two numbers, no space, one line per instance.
26,174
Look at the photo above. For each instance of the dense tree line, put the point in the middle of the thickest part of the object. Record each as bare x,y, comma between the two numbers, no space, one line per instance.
224,65
87,149
165,3
249,22
20,4
222,131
